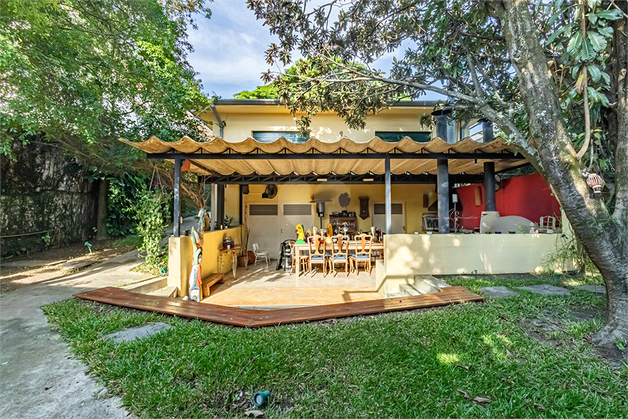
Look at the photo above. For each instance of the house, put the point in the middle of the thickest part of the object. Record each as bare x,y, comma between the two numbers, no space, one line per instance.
395,175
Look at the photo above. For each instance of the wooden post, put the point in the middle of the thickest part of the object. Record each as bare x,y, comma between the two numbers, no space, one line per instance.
489,186
388,197
442,180
177,199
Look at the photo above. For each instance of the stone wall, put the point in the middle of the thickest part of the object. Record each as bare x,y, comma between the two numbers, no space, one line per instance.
45,196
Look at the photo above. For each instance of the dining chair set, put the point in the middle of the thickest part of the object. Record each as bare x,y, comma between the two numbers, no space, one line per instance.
330,252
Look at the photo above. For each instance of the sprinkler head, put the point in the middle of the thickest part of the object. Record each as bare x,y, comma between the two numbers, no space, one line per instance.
260,398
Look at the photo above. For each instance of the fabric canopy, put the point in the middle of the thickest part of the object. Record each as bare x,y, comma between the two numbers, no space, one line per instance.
283,157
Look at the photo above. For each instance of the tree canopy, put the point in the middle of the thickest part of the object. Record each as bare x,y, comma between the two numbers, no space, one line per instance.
83,73
551,74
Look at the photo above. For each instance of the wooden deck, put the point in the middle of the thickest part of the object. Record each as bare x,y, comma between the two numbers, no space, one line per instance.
259,318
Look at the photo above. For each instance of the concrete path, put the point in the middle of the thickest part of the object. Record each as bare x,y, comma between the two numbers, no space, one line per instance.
39,378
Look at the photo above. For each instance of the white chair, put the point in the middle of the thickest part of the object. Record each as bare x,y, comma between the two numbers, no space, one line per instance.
260,253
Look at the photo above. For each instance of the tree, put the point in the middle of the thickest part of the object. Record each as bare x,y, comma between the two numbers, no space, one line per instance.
82,73
551,74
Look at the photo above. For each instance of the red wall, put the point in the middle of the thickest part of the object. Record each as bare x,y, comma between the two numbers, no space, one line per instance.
528,196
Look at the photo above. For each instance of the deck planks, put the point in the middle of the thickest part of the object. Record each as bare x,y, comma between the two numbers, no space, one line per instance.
259,318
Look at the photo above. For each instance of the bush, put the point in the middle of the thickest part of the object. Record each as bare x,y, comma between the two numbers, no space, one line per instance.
151,213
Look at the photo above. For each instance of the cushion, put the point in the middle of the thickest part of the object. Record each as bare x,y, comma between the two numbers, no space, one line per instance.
362,257
340,257
317,258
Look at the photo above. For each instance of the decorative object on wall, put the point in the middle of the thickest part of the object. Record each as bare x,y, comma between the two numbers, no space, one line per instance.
595,182
344,200
364,207
270,192
185,165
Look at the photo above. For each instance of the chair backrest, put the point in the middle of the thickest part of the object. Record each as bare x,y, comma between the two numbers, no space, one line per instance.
547,221
316,245
363,244
343,245
255,247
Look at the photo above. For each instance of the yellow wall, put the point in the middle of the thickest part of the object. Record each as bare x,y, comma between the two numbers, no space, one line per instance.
407,255
410,195
242,120
180,257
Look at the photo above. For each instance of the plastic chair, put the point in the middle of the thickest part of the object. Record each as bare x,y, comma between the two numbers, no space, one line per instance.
260,253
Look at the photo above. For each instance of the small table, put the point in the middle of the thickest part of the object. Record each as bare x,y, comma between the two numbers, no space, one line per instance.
298,248
233,251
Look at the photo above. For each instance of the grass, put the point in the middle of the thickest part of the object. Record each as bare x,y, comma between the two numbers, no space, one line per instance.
135,241
528,354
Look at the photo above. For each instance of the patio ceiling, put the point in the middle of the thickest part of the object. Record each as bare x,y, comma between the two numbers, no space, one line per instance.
282,157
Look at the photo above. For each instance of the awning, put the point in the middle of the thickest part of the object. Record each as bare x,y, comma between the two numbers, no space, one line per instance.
345,156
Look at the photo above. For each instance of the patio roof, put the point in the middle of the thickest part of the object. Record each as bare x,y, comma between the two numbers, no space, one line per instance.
281,157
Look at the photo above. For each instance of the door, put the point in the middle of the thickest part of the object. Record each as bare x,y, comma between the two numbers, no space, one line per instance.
264,223
398,217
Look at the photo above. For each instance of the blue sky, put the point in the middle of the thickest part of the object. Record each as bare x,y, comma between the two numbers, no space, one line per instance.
229,49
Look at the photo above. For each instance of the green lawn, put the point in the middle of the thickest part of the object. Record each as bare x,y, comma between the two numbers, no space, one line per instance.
528,354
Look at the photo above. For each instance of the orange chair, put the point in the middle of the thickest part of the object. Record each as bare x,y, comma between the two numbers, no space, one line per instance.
316,248
339,253
363,244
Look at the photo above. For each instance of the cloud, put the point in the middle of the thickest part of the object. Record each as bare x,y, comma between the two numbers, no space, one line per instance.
229,49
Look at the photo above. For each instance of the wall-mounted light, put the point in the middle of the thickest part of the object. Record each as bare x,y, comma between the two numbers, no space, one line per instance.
321,179
368,180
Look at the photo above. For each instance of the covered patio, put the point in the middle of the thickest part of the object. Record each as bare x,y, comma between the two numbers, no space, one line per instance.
313,162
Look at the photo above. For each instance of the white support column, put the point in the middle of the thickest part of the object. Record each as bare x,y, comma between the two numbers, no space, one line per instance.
388,197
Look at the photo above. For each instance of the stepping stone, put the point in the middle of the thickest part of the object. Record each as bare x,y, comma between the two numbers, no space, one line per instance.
498,292
598,289
77,264
140,332
546,289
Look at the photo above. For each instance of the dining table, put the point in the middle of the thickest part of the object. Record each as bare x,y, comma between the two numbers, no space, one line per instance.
304,247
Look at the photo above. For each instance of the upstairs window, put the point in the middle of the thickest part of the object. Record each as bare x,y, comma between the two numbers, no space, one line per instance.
272,136
396,136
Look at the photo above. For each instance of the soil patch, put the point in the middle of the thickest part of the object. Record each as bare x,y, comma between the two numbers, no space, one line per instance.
43,266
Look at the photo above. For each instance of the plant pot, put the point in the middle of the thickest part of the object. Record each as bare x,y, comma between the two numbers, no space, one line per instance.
242,260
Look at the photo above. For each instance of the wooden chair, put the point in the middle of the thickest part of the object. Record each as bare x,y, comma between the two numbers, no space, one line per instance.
297,258
316,255
341,255
363,244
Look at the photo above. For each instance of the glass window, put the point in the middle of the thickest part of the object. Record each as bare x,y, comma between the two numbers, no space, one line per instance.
396,136
272,136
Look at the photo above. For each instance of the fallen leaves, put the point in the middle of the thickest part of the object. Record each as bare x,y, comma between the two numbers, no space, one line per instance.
254,413
539,406
481,400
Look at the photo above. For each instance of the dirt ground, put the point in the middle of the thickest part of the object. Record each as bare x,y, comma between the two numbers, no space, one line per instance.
49,264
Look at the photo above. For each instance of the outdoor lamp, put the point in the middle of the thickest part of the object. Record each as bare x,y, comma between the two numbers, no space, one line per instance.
260,398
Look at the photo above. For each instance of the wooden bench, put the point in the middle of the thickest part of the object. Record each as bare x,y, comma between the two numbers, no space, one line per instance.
210,280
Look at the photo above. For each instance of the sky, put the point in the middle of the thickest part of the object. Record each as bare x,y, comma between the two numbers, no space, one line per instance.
229,50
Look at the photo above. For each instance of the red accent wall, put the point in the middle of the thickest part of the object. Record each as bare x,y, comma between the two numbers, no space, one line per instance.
528,196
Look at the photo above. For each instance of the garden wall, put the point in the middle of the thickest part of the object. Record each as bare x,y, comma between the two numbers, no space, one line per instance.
45,197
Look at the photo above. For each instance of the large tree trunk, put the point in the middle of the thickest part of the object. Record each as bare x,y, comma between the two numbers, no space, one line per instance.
603,236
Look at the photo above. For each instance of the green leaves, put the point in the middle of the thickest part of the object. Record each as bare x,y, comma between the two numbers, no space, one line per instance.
597,41
86,73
